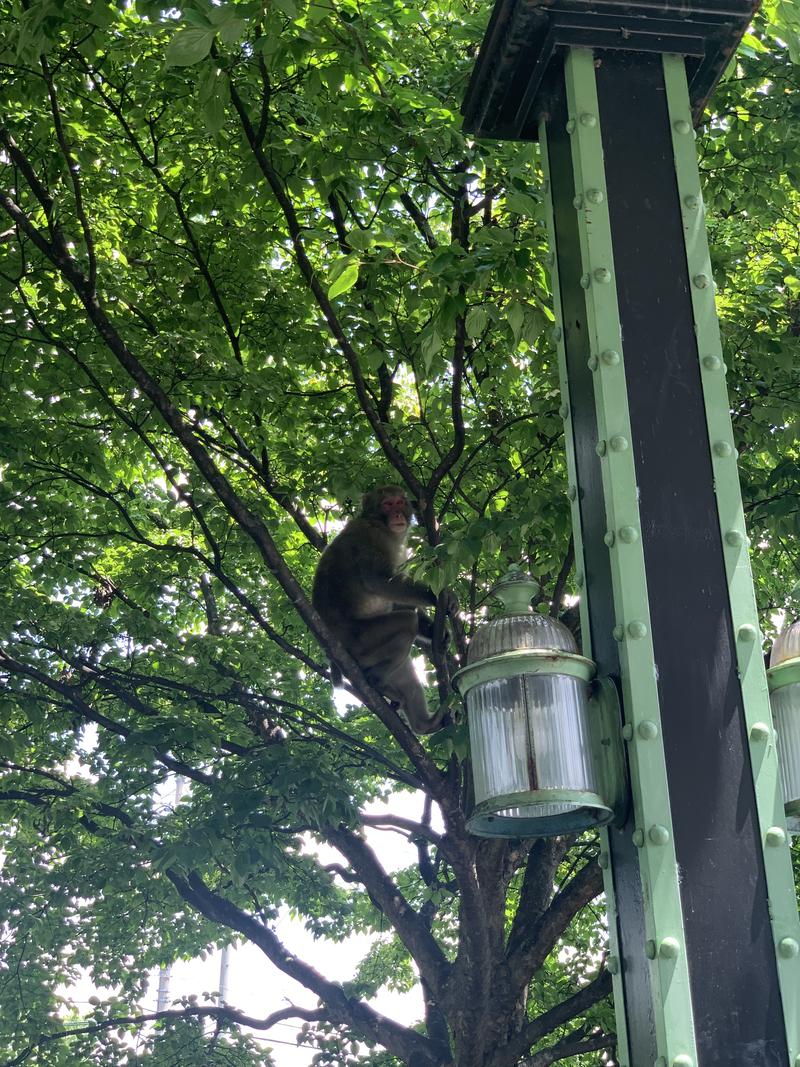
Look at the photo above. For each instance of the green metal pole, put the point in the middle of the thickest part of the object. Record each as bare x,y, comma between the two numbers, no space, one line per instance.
703,924
676,966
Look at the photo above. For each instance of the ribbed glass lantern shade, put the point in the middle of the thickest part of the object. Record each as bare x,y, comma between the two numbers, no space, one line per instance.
527,698
787,645
784,683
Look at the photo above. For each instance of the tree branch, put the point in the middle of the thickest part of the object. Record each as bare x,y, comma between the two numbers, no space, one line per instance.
221,1013
73,696
339,1008
74,171
411,929
394,456
535,1030
247,520
420,221
533,943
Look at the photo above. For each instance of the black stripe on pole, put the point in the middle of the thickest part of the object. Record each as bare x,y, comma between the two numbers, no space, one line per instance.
731,957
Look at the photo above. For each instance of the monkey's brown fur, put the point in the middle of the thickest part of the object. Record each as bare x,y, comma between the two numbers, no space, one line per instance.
371,608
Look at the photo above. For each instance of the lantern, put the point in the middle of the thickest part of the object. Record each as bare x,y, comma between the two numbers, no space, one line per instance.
783,677
544,739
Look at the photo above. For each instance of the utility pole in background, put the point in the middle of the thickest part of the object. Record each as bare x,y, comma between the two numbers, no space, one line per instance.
165,972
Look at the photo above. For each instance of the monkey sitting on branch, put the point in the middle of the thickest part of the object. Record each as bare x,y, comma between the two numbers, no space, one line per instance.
375,611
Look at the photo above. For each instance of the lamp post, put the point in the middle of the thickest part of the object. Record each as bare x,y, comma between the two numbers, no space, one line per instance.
703,921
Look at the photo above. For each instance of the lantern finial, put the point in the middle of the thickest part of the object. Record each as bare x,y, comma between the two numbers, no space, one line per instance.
516,590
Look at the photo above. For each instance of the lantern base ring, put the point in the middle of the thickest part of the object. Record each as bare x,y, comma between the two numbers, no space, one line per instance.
539,813
786,673
523,661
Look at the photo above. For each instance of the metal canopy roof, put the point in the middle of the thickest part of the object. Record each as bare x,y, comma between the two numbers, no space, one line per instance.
509,89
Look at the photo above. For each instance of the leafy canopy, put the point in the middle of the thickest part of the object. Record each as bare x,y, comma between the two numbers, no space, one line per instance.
252,266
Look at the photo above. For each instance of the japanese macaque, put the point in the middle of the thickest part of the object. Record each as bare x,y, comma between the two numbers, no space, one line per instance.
374,611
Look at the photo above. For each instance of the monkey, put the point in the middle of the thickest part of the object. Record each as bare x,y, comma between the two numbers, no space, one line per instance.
376,612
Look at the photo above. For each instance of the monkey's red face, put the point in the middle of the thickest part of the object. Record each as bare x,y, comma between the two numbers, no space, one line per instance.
395,510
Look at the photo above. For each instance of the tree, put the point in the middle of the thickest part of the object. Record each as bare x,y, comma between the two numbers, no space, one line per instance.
251,267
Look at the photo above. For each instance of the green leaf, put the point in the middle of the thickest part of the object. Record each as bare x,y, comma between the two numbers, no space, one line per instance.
345,280
430,344
360,239
522,204
477,318
197,18
516,317
214,113
188,47
233,31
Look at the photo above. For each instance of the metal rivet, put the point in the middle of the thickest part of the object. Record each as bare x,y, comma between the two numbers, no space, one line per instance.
682,126
577,201
591,363
618,442
659,835
603,861
788,948
638,838
637,630
586,281
650,949
734,538
602,274
618,633
628,534
609,538
557,333
669,949
600,449
550,259
722,449
564,411
610,357
612,963
747,632
595,196
759,731
712,362
587,119
647,730
572,492
661,1062
692,201
701,281
627,731
775,836
683,1061
571,126
579,579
